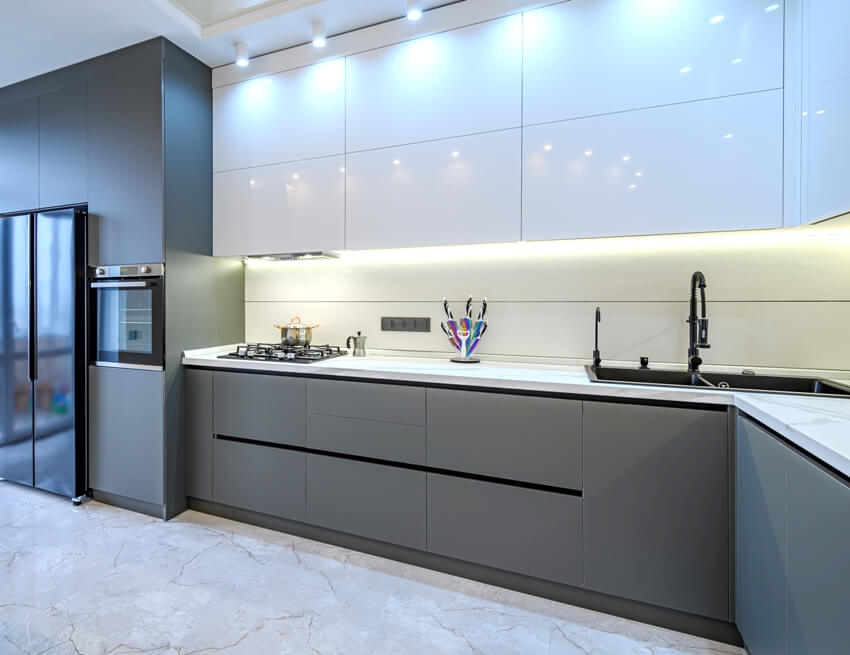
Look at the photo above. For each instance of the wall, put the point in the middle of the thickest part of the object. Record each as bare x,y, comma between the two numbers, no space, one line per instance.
776,298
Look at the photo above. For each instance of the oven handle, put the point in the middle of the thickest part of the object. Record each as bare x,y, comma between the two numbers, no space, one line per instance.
130,284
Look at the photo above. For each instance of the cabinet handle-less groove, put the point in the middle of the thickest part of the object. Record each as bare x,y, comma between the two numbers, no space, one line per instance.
33,300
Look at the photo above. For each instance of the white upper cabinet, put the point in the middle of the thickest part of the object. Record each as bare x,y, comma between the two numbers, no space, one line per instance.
825,109
282,208
692,167
452,191
284,117
463,81
589,57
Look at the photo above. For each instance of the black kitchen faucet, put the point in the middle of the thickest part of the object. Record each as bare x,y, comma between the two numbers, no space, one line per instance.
698,325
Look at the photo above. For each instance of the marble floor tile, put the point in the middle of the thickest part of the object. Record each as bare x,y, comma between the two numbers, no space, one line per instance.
96,580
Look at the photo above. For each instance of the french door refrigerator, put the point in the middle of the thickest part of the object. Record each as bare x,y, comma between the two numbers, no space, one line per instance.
42,350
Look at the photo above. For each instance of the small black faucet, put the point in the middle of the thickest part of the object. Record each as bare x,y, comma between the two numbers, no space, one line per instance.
698,325
597,360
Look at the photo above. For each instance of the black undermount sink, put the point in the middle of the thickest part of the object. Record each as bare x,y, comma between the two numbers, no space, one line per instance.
722,381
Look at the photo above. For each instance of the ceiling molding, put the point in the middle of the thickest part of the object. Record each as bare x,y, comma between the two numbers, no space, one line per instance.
254,16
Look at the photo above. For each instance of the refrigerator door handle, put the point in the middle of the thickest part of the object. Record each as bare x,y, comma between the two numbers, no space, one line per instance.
33,301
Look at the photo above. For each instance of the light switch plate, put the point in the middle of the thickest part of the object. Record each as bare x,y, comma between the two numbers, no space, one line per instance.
405,324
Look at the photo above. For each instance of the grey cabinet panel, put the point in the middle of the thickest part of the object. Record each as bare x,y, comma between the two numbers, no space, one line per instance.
126,432
377,402
260,478
197,428
263,407
532,532
370,500
506,436
656,506
390,441
19,156
761,586
63,166
125,165
818,560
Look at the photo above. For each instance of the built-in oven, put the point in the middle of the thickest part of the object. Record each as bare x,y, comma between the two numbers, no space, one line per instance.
127,320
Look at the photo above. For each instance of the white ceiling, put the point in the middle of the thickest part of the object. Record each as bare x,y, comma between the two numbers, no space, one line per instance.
43,35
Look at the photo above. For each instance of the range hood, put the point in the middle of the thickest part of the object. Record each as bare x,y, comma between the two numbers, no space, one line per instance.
295,256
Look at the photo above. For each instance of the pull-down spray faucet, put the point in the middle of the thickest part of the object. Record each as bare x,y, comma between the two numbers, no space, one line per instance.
698,325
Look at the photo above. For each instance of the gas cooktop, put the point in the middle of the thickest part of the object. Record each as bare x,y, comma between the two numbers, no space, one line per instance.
278,352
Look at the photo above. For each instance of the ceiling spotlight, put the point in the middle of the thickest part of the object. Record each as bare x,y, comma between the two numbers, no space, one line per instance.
241,54
319,36
414,9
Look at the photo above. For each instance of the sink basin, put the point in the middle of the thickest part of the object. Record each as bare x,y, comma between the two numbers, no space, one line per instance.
721,381
645,376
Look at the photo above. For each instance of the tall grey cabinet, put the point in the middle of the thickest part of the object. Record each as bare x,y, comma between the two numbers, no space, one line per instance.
130,134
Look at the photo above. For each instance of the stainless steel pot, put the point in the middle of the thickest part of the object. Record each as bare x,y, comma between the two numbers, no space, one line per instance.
296,334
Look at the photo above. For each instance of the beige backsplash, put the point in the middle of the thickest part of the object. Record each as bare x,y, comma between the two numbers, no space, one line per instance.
778,298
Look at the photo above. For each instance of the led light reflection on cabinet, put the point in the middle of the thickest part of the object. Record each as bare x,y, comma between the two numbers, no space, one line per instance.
685,69
728,136
716,19
770,8
547,147
342,169
588,153
626,157
638,173
737,60
632,186
295,176
820,111
455,154
396,162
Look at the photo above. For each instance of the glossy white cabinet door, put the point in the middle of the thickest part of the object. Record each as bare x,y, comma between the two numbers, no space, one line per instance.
283,117
693,167
826,102
588,57
282,208
452,191
463,81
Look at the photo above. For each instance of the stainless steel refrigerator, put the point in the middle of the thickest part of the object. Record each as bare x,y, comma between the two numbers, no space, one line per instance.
42,350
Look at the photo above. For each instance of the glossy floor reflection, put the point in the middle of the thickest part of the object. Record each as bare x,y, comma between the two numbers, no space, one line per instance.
97,579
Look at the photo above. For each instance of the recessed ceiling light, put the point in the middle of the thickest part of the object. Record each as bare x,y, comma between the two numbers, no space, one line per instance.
241,54
715,20
319,35
414,9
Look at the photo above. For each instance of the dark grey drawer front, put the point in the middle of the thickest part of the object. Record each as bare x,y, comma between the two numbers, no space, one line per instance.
370,500
390,441
505,436
536,533
375,402
259,478
262,407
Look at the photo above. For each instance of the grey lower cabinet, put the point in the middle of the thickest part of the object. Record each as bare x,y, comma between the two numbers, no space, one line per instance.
793,544
259,478
380,421
381,502
19,156
125,433
260,407
761,592
536,533
198,433
657,506
513,437
63,178
818,559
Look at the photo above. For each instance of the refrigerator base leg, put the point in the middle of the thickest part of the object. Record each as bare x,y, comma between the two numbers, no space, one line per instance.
79,500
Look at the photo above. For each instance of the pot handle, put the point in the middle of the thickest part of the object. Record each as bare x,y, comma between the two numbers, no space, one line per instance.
348,342
295,319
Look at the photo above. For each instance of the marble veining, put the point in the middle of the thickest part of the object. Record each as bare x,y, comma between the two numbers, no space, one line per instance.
99,580
820,426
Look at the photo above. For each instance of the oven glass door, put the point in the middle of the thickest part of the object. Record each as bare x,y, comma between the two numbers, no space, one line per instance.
128,322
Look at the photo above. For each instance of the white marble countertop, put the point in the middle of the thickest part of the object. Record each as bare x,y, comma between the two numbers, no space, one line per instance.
818,425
